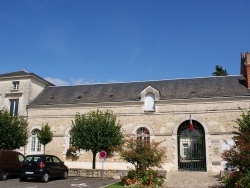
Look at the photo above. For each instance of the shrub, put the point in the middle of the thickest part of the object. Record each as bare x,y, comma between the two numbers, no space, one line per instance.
143,178
244,180
239,155
142,154
231,180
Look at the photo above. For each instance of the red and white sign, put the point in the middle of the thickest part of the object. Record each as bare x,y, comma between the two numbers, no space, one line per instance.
102,154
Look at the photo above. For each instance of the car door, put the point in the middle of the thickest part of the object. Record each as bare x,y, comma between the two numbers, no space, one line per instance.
58,166
50,166
13,162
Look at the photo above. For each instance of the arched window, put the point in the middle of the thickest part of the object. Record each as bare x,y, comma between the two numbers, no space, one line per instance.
69,144
67,140
35,144
149,103
143,133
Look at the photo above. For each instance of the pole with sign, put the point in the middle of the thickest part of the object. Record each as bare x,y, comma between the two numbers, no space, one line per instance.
102,156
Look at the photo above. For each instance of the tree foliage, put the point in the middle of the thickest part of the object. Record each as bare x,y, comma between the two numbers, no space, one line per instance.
45,135
142,154
219,71
13,130
96,131
239,154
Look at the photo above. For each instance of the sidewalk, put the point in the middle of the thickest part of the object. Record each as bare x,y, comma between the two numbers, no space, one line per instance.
191,179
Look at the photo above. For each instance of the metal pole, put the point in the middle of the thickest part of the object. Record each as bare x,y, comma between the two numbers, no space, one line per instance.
102,167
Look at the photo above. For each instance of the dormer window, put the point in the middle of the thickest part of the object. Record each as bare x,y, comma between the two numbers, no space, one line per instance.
15,85
79,97
50,98
149,95
149,102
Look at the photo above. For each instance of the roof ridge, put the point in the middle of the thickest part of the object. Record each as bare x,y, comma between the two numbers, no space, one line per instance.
146,81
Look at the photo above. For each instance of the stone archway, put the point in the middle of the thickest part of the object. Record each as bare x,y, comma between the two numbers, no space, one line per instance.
191,147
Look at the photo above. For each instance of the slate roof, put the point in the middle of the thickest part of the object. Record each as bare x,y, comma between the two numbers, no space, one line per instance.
17,73
224,86
24,73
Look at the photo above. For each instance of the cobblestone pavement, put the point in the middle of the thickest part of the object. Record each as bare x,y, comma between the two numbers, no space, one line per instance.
192,180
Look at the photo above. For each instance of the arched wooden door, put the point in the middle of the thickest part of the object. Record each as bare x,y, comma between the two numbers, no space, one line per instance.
191,147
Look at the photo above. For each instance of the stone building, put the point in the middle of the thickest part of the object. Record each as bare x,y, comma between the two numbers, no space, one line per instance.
194,118
18,89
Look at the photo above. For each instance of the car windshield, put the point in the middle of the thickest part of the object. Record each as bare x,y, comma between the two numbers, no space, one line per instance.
20,158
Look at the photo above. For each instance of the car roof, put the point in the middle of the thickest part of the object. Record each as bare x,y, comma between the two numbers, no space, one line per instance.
9,151
40,155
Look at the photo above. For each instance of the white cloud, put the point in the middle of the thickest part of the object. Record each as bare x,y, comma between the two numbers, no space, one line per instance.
60,82
57,81
81,81
114,81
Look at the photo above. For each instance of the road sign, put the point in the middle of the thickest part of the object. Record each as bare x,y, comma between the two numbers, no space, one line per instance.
102,154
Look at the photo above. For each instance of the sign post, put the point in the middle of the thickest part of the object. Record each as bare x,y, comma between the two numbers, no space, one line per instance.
102,156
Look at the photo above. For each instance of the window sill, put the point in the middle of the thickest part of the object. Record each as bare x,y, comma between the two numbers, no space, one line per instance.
149,111
16,93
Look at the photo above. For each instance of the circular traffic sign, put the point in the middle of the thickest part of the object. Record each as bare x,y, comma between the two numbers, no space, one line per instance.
102,154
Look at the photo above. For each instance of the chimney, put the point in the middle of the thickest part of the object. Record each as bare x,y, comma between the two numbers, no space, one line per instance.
245,67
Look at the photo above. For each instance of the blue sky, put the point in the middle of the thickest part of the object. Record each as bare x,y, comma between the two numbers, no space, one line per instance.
102,41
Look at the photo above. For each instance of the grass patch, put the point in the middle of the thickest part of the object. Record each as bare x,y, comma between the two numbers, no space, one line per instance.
116,185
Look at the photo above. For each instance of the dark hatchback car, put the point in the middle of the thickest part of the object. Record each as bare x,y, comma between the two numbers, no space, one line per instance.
43,167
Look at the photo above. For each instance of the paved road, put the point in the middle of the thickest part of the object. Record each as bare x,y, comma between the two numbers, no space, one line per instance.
192,180
71,182
174,180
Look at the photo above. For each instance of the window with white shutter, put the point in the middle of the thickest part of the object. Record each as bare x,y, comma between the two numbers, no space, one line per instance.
149,102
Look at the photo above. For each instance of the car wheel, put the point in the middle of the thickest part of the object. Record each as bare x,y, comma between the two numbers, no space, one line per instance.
22,178
3,175
45,177
65,175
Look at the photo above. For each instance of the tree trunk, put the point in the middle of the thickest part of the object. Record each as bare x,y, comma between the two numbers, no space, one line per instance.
43,149
94,159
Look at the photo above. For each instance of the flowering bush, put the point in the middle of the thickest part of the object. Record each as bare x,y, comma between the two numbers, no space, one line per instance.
143,155
238,155
143,179
73,151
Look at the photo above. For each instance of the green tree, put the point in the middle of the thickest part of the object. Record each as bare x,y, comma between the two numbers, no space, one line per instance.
13,129
142,154
239,154
96,131
45,135
219,71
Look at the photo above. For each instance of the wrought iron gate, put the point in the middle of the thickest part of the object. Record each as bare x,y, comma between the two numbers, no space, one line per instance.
191,148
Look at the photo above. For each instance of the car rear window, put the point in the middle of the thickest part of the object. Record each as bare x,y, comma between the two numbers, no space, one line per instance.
37,159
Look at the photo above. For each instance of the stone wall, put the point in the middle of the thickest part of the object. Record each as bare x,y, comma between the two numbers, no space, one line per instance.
116,174
217,116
